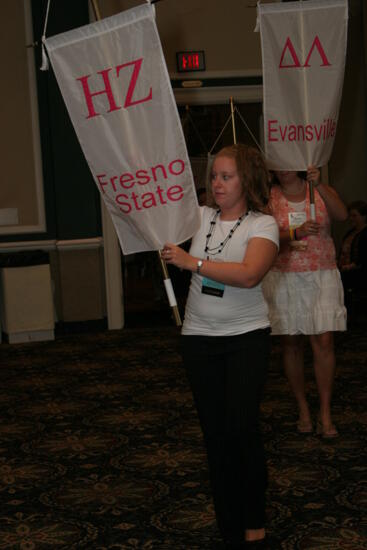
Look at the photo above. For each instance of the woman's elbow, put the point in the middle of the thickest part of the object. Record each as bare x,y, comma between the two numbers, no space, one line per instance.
252,280
253,277
252,284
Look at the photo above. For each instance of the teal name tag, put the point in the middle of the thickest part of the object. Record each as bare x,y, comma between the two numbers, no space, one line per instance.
213,288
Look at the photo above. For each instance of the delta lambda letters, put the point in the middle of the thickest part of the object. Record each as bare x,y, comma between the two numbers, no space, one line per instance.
296,62
302,132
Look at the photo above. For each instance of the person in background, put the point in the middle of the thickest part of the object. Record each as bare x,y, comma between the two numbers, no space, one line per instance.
304,290
226,336
353,255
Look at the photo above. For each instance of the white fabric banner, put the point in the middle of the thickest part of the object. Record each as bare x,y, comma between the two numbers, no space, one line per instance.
114,80
303,52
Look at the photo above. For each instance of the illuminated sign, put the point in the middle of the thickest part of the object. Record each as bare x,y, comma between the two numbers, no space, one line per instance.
190,61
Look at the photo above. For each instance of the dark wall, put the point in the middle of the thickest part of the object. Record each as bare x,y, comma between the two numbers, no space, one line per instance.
71,196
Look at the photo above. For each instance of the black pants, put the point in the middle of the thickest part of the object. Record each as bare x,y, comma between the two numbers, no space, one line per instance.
227,376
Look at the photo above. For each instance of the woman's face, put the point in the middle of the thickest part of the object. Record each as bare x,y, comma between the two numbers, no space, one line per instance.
226,185
356,219
285,176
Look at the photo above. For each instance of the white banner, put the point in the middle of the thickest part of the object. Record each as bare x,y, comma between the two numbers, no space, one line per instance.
303,51
114,80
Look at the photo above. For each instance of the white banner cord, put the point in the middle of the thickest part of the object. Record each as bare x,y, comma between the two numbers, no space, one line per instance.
246,126
221,132
249,131
45,62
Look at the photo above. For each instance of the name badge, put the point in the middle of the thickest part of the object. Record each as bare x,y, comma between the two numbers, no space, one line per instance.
296,219
213,288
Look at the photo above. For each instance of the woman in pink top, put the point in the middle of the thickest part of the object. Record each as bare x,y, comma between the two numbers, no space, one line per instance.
304,290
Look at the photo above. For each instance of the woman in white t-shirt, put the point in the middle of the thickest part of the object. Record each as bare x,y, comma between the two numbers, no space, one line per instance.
225,342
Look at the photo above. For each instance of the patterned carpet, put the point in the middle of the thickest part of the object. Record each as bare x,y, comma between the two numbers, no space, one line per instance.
100,448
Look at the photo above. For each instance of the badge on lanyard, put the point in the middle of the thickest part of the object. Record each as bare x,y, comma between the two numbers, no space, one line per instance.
296,219
213,288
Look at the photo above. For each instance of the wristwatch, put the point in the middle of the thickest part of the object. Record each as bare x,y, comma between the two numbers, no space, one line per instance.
198,266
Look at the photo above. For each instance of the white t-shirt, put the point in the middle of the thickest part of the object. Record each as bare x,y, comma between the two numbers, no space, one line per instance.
239,310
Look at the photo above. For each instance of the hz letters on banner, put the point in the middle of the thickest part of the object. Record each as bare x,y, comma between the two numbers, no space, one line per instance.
108,88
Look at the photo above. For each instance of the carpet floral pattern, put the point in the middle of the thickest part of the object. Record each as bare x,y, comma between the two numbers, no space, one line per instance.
100,448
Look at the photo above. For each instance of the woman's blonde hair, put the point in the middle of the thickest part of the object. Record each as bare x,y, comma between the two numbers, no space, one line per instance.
254,175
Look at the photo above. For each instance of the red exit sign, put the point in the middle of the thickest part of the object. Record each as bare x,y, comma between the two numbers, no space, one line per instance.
190,61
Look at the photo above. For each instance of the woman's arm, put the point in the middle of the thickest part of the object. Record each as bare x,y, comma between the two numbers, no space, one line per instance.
260,256
335,206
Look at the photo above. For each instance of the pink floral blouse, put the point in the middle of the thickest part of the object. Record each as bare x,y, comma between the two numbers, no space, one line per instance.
320,250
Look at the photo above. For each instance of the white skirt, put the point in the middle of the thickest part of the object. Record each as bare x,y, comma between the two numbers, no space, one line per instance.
310,302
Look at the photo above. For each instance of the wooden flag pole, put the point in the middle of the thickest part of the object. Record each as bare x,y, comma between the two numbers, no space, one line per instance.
233,123
97,13
166,278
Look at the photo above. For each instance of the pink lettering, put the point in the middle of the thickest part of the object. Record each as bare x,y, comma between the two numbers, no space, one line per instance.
181,169
134,77
89,95
159,192
283,132
154,171
272,130
318,131
101,182
129,102
175,193
125,179
292,135
317,44
142,177
134,196
300,133
289,46
309,134
125,206
148,200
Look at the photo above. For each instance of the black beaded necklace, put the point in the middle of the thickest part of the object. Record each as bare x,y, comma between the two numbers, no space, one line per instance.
218,249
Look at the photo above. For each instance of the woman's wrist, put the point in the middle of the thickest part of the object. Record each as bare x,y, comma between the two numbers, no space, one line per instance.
196,265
